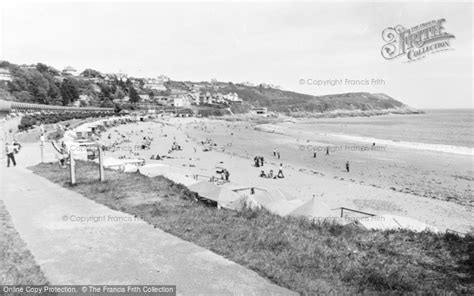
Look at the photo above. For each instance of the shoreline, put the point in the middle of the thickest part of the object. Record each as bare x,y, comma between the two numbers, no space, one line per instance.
330,186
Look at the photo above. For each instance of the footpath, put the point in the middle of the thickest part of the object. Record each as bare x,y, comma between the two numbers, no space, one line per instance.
77,241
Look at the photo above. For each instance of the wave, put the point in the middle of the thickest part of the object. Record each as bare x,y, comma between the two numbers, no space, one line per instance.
460,150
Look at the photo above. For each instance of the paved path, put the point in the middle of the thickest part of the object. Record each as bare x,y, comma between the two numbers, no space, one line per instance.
102,250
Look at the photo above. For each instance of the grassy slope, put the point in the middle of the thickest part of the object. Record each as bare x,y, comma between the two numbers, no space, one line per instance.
294,253
17,265
288,101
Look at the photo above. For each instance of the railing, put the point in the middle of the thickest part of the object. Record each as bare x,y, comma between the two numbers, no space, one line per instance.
9,106
461,234
351,210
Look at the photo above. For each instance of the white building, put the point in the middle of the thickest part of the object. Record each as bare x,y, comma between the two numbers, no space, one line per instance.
70,71
233,98
5,75
154,84
179,101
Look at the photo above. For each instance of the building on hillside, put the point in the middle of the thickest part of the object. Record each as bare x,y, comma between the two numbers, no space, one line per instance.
206,98
121,76
232,98
179,101
260,111
5,75
30,67
163,78
194,97
69,71
145,97
154,84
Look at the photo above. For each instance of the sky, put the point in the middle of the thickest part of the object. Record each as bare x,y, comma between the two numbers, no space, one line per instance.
290,44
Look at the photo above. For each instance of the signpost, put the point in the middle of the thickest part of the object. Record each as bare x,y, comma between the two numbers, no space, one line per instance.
101,164
72,167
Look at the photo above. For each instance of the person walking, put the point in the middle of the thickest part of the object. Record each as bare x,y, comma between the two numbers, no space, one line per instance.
280,172
227,175
278,154
327,150
347,166
10,149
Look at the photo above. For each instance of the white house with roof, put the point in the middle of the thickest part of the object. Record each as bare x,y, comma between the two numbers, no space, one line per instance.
70,71
232,98
5,75
154,84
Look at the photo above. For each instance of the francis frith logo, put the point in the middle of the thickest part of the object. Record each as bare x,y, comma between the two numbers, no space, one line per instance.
416,42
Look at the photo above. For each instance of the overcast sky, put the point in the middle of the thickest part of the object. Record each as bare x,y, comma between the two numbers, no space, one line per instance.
278,43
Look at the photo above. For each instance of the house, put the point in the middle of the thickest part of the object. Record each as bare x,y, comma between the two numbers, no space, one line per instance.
5,75
144,97
70,71
260,111
232,98
154,84
179,101
205,98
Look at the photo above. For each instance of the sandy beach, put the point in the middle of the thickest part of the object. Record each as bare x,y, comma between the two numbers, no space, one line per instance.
431,187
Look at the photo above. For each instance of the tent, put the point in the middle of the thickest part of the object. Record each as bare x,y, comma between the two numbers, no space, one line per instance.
224,197
314,210
392,222
177,175
281,194
284,207
203,187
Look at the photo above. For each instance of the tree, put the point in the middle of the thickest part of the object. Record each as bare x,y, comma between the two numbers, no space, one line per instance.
91,73
132,93
23,96
69,91
119,94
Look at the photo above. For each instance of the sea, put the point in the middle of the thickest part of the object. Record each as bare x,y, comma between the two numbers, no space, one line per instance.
443,130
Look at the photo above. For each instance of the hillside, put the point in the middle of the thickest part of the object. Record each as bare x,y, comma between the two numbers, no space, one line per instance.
297,104
43,84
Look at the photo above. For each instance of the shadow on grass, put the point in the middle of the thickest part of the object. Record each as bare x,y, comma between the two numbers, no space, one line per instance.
306,257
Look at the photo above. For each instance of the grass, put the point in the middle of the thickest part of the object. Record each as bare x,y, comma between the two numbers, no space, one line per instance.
17,265
309,258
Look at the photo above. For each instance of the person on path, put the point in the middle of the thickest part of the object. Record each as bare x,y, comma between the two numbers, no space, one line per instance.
327,150
10,149
347,166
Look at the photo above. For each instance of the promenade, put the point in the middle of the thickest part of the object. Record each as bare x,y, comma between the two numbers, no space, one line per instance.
77,241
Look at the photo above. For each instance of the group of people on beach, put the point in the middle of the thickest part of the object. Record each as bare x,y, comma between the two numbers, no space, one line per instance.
270,174
259,161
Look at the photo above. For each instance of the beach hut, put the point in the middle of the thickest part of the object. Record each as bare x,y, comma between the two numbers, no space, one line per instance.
392,222
314,210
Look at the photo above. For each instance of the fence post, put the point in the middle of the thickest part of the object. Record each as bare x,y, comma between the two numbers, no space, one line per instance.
101,164
42,153
72,167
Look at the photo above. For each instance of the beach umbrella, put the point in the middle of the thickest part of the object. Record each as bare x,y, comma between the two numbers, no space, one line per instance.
313,209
